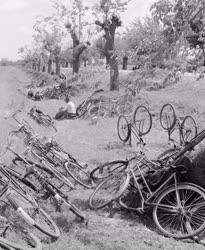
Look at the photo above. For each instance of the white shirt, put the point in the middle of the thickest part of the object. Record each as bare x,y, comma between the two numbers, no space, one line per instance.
71,107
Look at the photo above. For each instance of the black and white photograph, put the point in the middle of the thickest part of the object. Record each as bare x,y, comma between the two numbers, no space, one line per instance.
102,124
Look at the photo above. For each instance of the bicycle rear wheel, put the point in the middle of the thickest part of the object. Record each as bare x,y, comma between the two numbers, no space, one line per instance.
180,213
167,117
13,236
142,120
109,190
189,128
105,170
123,128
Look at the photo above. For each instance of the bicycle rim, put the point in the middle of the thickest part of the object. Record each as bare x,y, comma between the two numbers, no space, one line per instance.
107,169
142,120
167,117
109,190
189,128
123,129
184,221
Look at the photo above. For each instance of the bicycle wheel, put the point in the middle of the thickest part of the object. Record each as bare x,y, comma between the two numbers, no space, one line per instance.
123,129
33,215
13,236
142,120
78,174
109,190
189,128
180,213
167,117
105,170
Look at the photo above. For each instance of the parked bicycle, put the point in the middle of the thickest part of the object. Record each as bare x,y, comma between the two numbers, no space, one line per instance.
41,118
140,126
178,205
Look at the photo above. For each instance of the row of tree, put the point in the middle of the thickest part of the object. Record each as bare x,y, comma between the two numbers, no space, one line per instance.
173,28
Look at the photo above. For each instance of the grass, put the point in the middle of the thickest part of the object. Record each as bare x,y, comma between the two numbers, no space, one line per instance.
96,144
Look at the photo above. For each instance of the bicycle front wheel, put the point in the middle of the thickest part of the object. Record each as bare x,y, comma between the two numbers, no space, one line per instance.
167,117
123,128
105,170
180,212
189,128
142,120
109,190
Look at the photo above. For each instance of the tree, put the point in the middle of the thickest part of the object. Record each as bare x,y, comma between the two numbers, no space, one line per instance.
49,34
182,19
109,11
74,24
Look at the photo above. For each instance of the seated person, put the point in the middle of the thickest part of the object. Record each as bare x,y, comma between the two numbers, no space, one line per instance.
67,112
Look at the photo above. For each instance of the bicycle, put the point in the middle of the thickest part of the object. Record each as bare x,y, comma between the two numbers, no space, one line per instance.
23,205
41,118
31,171
187,129
140,126
178,205
169,121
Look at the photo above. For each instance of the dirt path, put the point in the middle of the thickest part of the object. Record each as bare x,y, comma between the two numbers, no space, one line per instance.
93,144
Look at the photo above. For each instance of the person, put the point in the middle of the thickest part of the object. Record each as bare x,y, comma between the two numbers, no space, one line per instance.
66,112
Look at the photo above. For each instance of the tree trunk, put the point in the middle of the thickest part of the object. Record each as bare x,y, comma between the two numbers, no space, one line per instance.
66,64
49,66
107,61
76,64
85,63
114,73
44,68
58,66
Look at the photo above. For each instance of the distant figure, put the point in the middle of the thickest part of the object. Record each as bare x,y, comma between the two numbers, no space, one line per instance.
124,62
67,112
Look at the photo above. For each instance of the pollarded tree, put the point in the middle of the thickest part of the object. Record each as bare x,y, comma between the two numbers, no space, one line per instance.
108,20
75,24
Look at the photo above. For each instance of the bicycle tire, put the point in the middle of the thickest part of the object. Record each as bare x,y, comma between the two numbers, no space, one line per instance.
193,129
78,174
105,170
123,128
104,194
170,123
83,108
186,224
47,227
142,111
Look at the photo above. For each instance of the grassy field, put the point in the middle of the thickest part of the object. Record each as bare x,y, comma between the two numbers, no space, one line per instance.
96,144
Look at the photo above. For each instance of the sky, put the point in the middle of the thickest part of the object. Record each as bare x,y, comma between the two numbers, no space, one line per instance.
17,18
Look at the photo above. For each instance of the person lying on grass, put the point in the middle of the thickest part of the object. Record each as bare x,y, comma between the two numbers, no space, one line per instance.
69,111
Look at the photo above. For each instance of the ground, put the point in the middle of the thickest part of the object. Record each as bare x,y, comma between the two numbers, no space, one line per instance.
95,144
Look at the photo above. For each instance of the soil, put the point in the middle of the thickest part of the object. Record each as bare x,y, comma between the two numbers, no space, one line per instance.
95,144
